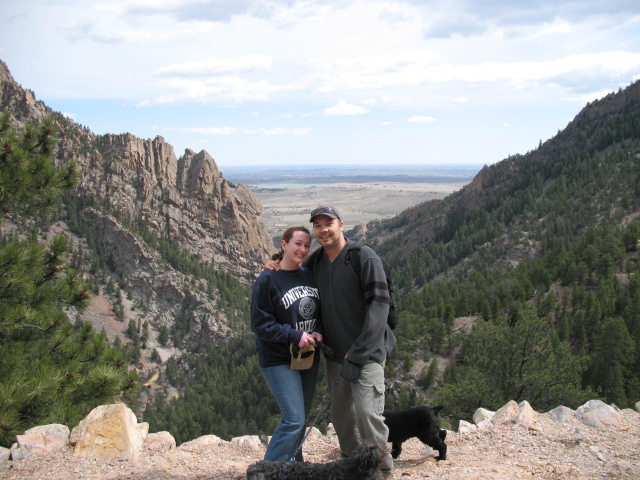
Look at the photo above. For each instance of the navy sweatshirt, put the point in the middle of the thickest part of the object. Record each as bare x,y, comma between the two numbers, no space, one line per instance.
284,304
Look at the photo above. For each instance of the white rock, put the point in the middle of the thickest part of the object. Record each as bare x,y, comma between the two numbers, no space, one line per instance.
5,454
252,442
466,427
110,432
507,413
526,415
485,424
314,433
40,440
482,414
200,443
160,442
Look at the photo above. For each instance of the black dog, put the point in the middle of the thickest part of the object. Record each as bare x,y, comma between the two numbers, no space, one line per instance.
421,422
363,466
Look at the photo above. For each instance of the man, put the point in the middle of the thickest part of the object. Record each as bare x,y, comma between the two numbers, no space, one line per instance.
354,312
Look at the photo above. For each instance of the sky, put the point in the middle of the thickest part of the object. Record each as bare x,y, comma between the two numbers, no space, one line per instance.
298,82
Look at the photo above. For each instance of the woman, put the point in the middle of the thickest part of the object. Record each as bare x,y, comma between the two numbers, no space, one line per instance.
285,316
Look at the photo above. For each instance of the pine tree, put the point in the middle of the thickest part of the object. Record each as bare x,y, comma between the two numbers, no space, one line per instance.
50,370
516,359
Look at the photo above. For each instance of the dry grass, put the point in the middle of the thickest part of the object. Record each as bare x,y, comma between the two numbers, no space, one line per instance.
359,203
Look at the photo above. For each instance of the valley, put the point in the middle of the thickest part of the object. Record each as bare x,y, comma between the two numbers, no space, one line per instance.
360,193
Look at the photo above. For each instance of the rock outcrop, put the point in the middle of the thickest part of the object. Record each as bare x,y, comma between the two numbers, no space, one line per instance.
142,182
135,194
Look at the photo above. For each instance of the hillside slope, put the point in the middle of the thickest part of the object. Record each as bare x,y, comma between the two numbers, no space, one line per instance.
586,175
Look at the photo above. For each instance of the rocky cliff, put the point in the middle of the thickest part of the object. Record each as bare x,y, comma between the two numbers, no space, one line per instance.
185,199
134,196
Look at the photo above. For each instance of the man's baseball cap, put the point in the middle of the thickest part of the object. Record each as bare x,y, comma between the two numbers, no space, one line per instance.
327,210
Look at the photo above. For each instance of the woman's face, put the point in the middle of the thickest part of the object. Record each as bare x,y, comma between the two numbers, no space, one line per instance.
298,247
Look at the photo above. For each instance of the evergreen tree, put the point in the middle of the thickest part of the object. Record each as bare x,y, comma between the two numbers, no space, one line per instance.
50,370
520,359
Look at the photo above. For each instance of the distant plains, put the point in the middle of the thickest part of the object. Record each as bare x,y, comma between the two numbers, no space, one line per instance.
361,192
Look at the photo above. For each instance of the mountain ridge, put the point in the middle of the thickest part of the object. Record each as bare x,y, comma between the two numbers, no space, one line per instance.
177,239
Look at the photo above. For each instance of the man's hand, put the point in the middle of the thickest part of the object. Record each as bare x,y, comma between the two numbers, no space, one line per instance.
272,265
317,337
306,340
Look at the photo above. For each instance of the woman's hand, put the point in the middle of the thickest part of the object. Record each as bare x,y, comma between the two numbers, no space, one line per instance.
306,340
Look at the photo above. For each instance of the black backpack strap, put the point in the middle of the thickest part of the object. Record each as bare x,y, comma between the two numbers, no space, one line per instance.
354,260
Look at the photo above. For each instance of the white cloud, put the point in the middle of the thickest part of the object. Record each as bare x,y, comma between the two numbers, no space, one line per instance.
344,109
225,131
467,62
421,119
284,131
217,66
224,89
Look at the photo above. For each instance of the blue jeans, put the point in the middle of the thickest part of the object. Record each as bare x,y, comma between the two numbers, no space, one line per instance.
293,390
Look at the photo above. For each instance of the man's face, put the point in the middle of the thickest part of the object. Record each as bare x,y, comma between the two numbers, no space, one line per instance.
328,231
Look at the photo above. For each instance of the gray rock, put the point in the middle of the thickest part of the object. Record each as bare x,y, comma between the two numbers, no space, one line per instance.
597,414
561,414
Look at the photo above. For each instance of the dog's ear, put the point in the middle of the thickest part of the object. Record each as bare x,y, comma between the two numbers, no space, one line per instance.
437,409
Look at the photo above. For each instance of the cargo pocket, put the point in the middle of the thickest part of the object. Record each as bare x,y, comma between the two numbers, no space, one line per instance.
379,398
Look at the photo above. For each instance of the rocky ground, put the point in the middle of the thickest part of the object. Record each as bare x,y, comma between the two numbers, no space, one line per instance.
547,450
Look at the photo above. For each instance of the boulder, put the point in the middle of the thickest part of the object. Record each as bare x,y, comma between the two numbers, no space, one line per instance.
40,440
465,427
507,413
597,414
110,432
160,442
5,454
314,433
526,415
201,443
512,412
482,414
250,442
561,414
485,424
